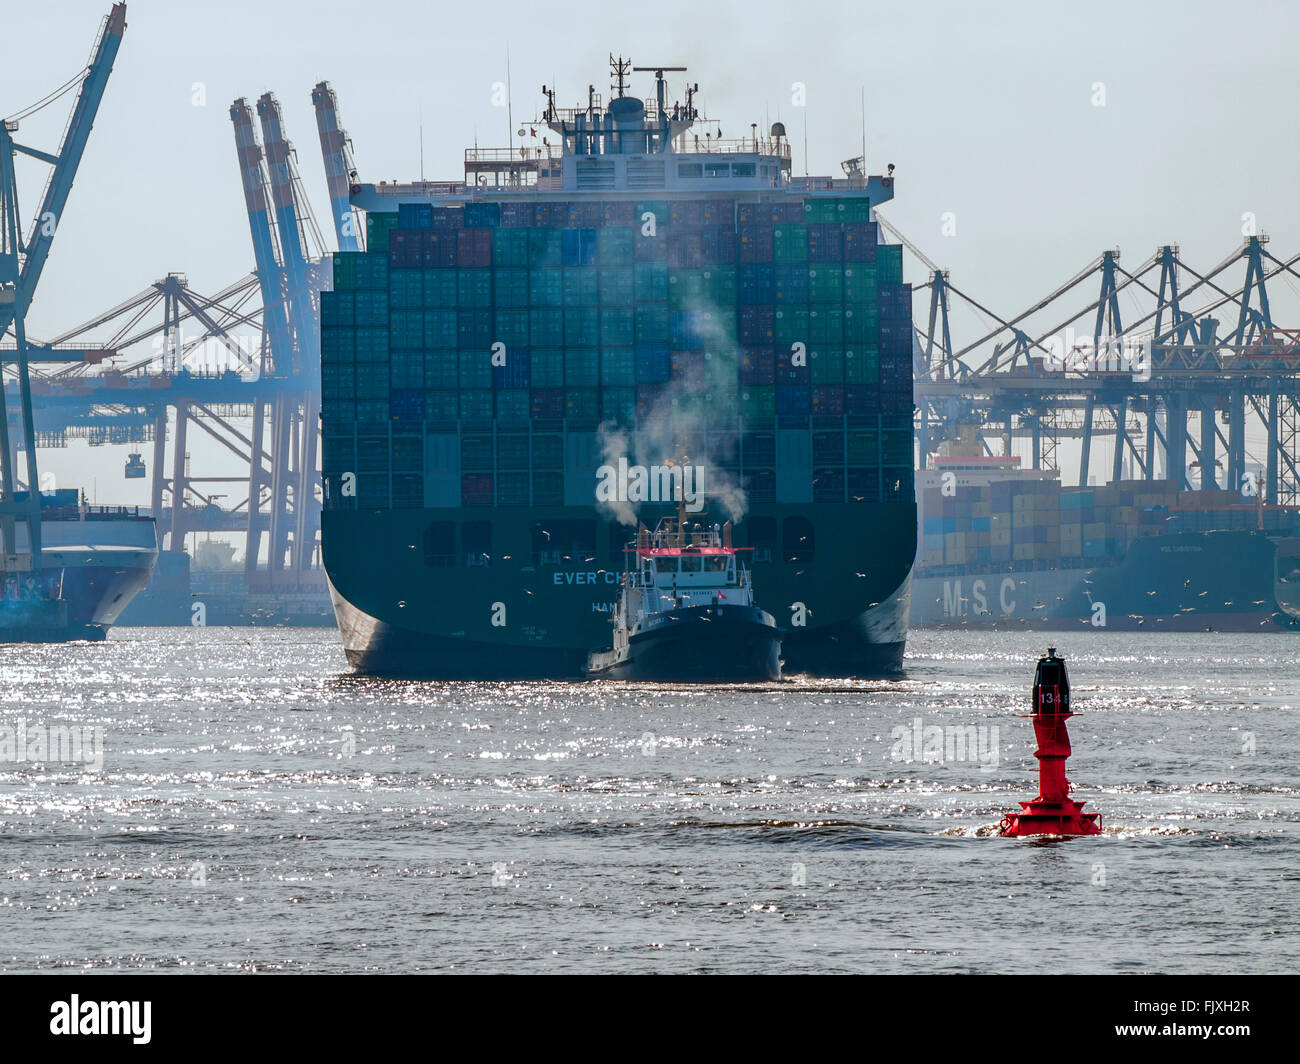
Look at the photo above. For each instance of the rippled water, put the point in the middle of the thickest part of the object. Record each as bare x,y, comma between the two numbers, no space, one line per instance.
259,808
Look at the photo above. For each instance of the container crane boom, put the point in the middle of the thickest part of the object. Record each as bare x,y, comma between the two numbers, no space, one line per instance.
261,223
21,264
340,171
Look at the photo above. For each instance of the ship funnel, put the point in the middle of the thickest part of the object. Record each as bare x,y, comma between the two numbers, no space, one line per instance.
628,114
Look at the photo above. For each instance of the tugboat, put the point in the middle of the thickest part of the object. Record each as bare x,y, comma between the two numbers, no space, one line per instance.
687,611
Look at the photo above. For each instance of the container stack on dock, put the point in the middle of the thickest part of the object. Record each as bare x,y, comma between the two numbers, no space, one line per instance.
1032,524
505,324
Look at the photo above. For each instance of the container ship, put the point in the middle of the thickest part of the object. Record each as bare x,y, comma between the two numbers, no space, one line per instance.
1002,547
94,561
628,289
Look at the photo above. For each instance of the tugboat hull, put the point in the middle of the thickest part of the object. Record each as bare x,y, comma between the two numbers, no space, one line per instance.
698,644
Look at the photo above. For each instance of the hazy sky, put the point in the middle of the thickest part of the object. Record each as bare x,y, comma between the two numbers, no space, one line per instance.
988,111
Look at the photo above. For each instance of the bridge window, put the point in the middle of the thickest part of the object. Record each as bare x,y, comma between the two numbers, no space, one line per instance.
690,170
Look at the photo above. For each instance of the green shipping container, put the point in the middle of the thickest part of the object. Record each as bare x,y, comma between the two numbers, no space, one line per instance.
826,364
889,263
861,325
825,284
860,284
378,226
791,326
862,365
685,288
758,403
720,285
790,243
826,324
344,271
651,282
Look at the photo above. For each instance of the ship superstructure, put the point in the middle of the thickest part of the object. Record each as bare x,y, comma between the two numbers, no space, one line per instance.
630,286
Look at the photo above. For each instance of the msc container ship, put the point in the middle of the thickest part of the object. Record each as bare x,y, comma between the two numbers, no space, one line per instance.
1004,547
639,295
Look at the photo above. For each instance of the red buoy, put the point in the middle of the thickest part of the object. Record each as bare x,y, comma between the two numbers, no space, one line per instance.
1053,812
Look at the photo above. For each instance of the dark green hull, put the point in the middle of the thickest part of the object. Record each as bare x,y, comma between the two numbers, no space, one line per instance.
520,617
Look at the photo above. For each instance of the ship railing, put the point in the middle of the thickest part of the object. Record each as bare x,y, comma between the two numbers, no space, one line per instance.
419,188
527,154
775,146
827,184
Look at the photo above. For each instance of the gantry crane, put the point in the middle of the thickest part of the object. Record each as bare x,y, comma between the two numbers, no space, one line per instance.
340,171
22,261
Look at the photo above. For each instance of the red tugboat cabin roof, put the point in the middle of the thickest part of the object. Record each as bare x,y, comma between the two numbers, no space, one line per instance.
678,552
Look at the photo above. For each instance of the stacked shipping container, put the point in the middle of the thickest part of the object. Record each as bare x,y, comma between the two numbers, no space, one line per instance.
1037,523
531,317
